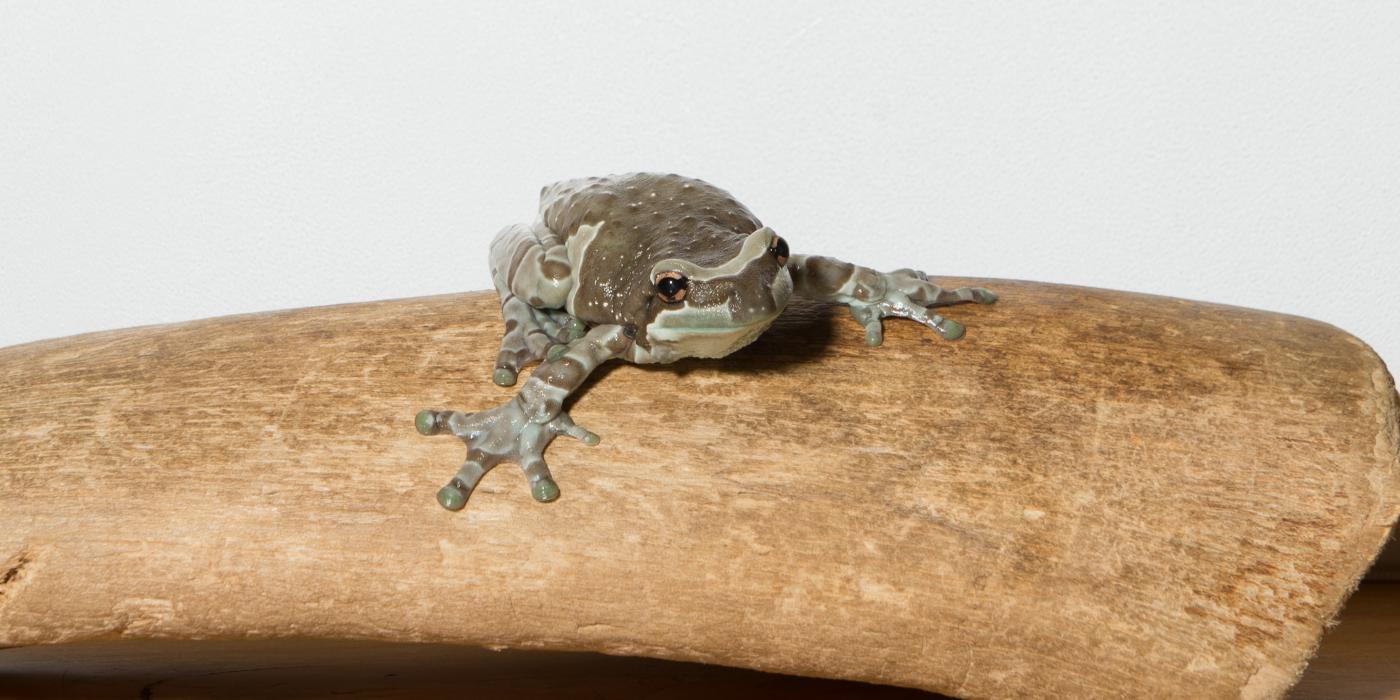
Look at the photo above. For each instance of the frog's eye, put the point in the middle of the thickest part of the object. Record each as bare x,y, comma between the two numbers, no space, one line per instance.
779,250
670,286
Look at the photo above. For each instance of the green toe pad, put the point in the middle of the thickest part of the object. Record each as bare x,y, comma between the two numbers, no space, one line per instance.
426,422
503,377
451,497
952,330
544,490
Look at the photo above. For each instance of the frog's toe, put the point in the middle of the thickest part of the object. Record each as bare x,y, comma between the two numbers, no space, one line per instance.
874,334
454,494
545,490
566,327
508,364
576,328
431,422
981,295
946,328
869,315
564,425
542,486
452,497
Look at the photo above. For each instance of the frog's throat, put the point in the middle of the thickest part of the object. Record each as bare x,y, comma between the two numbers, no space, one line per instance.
676,334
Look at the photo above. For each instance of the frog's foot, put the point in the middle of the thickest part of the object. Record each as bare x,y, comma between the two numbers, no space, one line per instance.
909,294
501,434
531,335
897,304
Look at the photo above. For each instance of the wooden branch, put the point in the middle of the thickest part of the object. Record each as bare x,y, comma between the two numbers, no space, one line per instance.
1094,494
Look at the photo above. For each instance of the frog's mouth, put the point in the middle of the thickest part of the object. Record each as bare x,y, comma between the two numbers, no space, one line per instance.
691,333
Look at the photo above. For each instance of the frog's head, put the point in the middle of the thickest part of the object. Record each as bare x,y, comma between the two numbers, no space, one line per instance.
711,311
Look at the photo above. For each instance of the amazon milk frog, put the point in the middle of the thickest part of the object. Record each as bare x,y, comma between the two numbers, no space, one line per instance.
648,268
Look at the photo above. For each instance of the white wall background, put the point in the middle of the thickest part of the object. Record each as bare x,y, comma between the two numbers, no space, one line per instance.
162,161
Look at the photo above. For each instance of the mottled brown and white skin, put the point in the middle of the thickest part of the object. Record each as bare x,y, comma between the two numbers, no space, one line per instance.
649,268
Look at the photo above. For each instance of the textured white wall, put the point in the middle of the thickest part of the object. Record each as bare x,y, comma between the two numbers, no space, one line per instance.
167,161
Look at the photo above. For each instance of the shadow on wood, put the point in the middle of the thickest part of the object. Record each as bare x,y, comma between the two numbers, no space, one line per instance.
1355,662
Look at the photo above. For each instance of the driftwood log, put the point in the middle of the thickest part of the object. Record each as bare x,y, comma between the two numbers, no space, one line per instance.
1094,494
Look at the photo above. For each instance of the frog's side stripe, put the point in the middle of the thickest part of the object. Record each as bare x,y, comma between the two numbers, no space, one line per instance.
755,246
576,249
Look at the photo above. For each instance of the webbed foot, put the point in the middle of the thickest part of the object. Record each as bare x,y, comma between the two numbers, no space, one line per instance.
909,294
501,434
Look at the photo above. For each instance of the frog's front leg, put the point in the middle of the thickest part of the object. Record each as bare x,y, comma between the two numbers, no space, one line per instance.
873,295
520,429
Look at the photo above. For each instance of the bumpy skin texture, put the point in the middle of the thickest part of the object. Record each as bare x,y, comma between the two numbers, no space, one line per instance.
649,268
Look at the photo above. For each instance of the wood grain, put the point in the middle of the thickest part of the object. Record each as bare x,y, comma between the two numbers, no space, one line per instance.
1094,494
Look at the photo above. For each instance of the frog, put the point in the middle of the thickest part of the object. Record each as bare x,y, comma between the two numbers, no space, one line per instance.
646,268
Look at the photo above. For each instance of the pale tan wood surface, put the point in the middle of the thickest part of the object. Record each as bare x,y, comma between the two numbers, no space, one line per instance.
1093,494
1358,660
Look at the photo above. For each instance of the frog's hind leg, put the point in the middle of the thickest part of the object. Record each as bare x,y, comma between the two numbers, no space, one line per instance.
872,295
568,328
530,269
915,285
530,333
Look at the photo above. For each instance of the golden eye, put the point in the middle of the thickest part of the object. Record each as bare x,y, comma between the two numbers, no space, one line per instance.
779,250
671,286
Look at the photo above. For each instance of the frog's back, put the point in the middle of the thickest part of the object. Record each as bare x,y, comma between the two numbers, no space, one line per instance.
616,228
665,213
